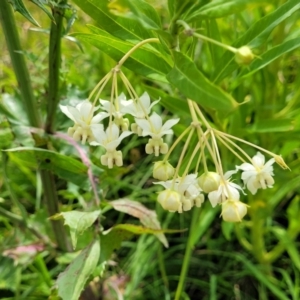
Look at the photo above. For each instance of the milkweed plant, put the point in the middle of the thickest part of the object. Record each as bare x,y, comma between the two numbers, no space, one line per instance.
188,145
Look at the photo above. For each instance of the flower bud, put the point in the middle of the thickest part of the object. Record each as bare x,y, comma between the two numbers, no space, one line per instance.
209,181
279,160
170,200
163,170
244,55
233,210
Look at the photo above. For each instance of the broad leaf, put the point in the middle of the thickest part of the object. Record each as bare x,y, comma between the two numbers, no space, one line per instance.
146,216
144,61
194,85
71,282
77,221
255,36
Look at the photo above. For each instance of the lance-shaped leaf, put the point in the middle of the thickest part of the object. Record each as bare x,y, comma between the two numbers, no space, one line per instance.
77,221
145,61
125,29
71,282
221,8
146,216
19,6
194,85
255,36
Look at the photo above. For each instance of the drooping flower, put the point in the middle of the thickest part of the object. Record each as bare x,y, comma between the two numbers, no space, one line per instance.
155,128
170,200
187,188
109,139
258,174
118,110
140,108
226,190
233,210
83,117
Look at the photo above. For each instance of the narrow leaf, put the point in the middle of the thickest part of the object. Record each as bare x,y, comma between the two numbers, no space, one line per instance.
40,4
194,85
145,61
71,282
77,221
146,216
255,36
270,56
19,6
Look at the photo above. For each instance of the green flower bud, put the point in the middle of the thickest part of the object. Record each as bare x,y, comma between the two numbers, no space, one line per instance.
209,181
163,170
233,210
170,200
244,55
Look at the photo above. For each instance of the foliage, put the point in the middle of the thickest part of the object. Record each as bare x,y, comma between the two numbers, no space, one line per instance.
227,67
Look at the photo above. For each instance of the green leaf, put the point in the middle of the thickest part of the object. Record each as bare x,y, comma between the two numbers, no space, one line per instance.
71,282
289,244
64,166
78,222
123,28
19,6
273,125
40,4
255,36
270,56
194,85
145,61
140,10
146,216
221,8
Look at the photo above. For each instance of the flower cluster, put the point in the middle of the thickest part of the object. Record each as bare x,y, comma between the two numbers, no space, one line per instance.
183,188
88,128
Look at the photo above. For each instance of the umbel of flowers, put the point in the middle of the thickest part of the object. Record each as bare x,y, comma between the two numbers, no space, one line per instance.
182,190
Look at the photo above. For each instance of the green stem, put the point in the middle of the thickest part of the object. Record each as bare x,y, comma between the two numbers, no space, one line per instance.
18,61
187,255
54,64
51,201
22,74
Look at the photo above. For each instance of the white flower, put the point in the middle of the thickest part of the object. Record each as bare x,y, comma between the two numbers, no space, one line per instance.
233,210
141,107
226,190
109,139
187,188
117,109
258,174
156,129
83,117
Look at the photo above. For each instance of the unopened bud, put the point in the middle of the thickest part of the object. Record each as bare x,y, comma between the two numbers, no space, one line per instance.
233,210
244,55
209,181
170,200
163,170
279,160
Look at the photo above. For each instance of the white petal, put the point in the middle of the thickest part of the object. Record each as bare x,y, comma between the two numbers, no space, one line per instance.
153,103
156,121
86,110
246,167
145,101
144,124
169,124
98,132
99,117
124,134
75,113
215,197
65,110
258,159
228,174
